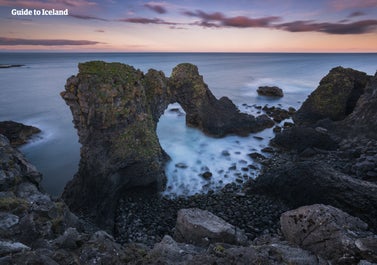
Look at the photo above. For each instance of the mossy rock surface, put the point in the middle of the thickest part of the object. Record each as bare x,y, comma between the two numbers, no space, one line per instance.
334,98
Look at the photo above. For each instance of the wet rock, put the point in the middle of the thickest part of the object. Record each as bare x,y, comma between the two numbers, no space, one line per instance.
225,153
16,132
277,129
300,138
268,149
329,232
181,165
270,91
201,228
206,175
256,156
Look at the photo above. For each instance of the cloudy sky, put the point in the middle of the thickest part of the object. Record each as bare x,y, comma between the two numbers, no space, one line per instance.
192,26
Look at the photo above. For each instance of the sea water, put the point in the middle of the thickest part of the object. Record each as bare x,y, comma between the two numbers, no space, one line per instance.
31,95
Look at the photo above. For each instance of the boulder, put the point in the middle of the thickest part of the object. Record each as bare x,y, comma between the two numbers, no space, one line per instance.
16,132
200,227
334,98
168,251
329,233
308,182
276,253
270,91
7,247
115,110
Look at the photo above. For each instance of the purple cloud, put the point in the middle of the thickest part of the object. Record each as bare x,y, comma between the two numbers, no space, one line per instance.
218,19
142,20
359,27
356,14
44,42
353,4
158,8
85,17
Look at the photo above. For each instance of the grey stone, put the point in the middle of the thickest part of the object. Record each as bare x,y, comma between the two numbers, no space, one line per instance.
169,251
201,228
69,240
328,232
8,220
7,247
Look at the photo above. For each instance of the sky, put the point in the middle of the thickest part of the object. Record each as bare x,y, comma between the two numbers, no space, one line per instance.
190,26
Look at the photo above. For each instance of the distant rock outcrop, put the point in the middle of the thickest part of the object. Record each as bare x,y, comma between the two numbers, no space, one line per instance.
270,91
115,111
334,98
16,132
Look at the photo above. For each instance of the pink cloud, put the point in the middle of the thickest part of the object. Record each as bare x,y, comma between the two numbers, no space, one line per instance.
44,42
352,4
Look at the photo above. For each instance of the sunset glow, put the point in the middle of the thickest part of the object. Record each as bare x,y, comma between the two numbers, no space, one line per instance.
191,26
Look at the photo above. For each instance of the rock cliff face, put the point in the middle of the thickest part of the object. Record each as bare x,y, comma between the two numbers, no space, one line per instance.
334,98
332,157
115,111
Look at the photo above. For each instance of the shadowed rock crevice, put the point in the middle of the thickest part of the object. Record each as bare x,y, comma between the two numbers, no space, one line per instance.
115,110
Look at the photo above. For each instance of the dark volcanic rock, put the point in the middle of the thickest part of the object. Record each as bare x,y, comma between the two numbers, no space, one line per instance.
334,98
214,117
308,182
16,132
363,120
115,111
300,138
270,91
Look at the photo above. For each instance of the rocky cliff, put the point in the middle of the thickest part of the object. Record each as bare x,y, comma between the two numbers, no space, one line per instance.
115,110
331,155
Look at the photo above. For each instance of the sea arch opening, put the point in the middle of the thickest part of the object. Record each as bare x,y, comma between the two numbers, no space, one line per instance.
200,163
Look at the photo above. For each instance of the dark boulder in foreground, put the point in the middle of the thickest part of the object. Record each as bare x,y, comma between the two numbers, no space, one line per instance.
270,91
115,110
334,98
16,132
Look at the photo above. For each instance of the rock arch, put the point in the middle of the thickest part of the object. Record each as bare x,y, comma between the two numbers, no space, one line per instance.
115,110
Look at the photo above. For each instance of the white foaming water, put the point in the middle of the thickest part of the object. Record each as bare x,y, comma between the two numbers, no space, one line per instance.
193,154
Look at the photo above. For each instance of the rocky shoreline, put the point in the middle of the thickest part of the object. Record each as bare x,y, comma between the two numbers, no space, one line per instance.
316,166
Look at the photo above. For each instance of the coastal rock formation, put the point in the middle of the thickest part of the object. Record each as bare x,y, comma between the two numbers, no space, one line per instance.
270,91
332,160
334,98
16,132
35,229
115,111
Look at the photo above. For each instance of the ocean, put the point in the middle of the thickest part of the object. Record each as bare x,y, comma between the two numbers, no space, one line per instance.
31,95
